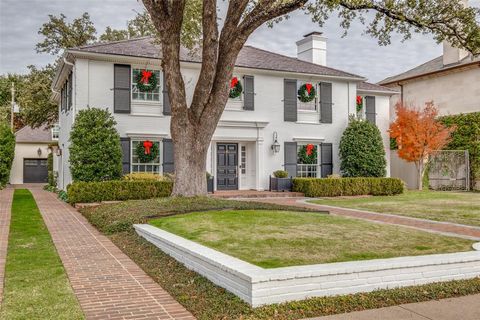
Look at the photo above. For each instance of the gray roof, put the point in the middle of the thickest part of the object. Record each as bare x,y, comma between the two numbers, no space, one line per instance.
28,134
432,66
249,57
367,86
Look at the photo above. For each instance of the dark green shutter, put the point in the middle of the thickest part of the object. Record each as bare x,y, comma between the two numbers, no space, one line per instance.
70,91
168,159
290,150
290,100
62,102
125,144
167,110
325,102
249,94
370,109
121,88
326,150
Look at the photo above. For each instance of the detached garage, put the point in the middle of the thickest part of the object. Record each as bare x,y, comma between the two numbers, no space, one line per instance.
31,152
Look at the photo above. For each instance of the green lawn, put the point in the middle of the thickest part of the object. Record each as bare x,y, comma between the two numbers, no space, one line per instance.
271,239
457,207
36,286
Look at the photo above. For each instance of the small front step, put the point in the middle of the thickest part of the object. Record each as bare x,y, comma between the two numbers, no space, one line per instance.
255,194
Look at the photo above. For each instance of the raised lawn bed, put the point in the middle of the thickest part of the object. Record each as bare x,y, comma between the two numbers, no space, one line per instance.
456,207
213,302
36,285
271,239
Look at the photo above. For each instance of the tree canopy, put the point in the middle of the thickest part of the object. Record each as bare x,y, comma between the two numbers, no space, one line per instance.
193,124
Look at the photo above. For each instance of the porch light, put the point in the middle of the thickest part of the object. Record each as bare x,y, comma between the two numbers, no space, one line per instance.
275,145
39,152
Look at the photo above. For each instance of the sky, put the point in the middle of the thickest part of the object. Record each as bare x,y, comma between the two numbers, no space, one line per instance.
356,53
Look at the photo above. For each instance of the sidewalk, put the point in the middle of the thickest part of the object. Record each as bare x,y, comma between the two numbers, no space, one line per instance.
463,308
6,197
106,282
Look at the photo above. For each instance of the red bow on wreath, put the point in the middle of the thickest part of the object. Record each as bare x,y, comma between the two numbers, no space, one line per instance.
147,145
234,82
359,100
309,87
309,149
146,76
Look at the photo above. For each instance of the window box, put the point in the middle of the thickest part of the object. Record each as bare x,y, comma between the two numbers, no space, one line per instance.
281,184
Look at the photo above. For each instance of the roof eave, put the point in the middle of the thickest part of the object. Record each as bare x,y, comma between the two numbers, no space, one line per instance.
458,66
378,92
141,60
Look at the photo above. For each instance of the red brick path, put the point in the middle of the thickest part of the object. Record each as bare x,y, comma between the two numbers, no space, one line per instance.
107,283
6,196
427,225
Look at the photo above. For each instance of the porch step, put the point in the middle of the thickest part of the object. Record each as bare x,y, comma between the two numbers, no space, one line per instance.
255,194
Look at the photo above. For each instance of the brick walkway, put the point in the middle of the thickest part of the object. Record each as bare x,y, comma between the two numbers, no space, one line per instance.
6,197
426,225
107,283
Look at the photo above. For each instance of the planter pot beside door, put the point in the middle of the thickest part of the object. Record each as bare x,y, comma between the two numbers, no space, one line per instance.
281,184
210,185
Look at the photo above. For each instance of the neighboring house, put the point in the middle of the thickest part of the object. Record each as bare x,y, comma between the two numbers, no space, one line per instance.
451,81
31,152
241,154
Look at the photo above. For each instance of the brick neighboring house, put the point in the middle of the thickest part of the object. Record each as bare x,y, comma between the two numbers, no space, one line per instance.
451,81
267,112
31,152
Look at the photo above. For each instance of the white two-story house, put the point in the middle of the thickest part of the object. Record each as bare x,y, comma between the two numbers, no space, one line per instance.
260,131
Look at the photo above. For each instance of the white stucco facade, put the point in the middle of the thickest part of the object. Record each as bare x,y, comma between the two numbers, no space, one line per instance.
26,151
251,130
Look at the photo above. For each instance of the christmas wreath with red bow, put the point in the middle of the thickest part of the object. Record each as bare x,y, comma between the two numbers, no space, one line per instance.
359,103
306,92
308,154
146,80
235,88
147,151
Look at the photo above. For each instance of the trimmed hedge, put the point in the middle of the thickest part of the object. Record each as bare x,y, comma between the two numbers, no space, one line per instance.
117,190
312,187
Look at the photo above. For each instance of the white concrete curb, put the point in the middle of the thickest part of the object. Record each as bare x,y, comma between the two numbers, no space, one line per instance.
258,286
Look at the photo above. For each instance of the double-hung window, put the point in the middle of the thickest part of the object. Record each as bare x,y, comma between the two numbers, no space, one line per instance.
308,165
150,167
311,105
138,95
55,132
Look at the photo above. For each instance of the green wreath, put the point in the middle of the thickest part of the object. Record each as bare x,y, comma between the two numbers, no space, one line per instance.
304,158
235,88
303,94
144,157
150,85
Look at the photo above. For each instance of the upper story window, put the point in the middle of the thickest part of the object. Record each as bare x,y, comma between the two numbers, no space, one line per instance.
137,94
55,132
308,93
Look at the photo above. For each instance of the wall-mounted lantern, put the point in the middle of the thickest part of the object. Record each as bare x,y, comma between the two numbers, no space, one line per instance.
39,152
275,145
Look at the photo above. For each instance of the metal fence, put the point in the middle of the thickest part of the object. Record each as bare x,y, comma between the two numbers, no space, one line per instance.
449,170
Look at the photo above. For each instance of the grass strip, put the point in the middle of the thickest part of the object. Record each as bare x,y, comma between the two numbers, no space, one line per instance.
209,302
36,286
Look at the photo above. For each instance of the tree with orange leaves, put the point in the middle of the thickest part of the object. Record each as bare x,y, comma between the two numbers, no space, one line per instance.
418,134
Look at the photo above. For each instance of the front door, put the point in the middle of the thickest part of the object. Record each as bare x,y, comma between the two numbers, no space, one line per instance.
227,166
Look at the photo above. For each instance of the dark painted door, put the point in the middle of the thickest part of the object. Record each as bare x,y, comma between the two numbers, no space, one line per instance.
35,170
227,166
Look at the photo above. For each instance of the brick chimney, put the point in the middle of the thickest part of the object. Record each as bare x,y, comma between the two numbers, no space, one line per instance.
313,48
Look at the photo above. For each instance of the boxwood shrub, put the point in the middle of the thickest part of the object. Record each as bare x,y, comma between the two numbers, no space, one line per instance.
117,190
314,187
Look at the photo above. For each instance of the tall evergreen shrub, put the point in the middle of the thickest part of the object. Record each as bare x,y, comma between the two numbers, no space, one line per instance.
95,151
7,153
362,153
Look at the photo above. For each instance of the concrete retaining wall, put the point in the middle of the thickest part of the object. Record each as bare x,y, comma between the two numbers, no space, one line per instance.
258,286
